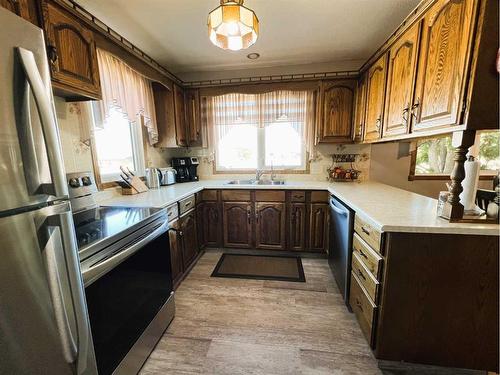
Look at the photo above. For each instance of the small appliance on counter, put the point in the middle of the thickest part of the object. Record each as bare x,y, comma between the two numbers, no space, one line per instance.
185,168
167,176
153,178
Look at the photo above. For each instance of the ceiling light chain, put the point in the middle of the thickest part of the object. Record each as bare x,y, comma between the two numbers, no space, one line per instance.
233,26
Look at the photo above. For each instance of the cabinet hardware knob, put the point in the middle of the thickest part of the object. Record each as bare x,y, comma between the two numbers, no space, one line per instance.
415,108
362,253
359,304
249,216
366,231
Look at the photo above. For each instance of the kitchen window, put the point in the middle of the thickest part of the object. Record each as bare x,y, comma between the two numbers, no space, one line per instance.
117,142
262,131
433,158
126,110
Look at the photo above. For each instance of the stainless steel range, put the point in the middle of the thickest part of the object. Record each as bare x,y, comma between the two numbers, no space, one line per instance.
125,262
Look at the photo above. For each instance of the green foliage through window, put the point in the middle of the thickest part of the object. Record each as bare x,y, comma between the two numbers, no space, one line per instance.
435,156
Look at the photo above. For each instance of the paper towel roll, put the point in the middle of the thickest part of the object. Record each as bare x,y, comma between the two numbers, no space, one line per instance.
469,184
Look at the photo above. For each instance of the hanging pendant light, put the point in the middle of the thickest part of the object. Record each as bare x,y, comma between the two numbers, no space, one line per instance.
233,26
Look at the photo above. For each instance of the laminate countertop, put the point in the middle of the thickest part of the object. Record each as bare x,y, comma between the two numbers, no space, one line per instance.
387,208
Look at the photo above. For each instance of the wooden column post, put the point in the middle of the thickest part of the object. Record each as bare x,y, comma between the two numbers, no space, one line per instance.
453,210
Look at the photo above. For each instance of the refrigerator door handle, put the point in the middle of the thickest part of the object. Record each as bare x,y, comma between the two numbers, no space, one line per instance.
43,101
58,222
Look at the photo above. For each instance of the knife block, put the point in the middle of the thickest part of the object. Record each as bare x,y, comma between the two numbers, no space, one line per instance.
129,191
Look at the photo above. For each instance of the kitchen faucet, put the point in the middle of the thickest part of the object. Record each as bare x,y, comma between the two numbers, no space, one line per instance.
258,174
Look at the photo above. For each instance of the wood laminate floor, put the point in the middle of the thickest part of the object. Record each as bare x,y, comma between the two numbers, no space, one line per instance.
237,326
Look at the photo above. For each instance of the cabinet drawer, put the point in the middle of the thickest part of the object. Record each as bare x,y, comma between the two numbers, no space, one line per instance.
186,204
368,233
269,196
319,196
172,212
298,196
371,259
236,195
209,195
364,309
364,276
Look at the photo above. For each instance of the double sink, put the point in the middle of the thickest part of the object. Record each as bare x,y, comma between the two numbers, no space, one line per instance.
256,182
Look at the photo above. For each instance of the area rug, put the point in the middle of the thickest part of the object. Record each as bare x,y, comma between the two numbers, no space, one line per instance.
260,267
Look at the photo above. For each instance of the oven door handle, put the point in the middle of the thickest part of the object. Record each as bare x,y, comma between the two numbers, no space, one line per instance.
97,270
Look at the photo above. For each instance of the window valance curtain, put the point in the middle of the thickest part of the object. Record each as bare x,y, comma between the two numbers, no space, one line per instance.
295,107
127,90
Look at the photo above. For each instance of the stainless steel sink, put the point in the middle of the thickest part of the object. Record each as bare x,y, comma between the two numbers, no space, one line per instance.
270,182
255,182
241,182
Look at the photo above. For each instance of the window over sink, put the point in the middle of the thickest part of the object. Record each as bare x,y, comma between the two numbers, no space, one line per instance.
261,131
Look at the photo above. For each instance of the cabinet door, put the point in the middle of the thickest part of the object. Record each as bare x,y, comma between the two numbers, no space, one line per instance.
23,8
176,253
338,106
401,75
193,119
297,227
180,118
237,224
359,122
375,99
212,224
318,227
270,226
200,225
189,238
442,64
72,54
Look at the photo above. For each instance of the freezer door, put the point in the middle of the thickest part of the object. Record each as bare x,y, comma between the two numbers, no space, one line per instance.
44,325
31,166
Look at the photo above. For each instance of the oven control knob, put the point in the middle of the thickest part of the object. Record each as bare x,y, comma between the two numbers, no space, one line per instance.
74,182
86,181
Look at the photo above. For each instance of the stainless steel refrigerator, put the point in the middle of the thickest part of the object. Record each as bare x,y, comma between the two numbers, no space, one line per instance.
44,327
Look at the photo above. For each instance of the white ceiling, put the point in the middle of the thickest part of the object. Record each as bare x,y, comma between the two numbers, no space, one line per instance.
295,35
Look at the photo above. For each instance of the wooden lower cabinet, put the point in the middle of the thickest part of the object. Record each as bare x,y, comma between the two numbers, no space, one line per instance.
237,224
212,223
176,252
318,226
189,238
200,225
297,227
270,225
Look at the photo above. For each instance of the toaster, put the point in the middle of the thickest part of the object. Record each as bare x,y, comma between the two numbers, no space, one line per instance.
167,176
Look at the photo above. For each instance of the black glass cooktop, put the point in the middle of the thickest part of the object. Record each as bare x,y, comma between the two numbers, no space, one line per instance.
98,223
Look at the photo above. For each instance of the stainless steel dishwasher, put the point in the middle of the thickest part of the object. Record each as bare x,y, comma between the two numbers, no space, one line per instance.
340,249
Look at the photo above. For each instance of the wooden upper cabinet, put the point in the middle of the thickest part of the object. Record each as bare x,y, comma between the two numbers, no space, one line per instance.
401,73
193,117
446,35
336,124
23,8
297,227
270,226
318,227
237,224
180,117
375,95
359,121
72,54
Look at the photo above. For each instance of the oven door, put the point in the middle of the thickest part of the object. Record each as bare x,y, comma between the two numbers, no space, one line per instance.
130,300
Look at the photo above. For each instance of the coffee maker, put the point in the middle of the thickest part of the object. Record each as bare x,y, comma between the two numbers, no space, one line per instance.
185,168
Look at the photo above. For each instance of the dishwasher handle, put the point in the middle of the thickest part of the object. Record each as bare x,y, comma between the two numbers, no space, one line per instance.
338,210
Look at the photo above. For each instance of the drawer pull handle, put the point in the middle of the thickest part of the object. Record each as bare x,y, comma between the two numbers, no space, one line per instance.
366,231
362,253
359,304
360,273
